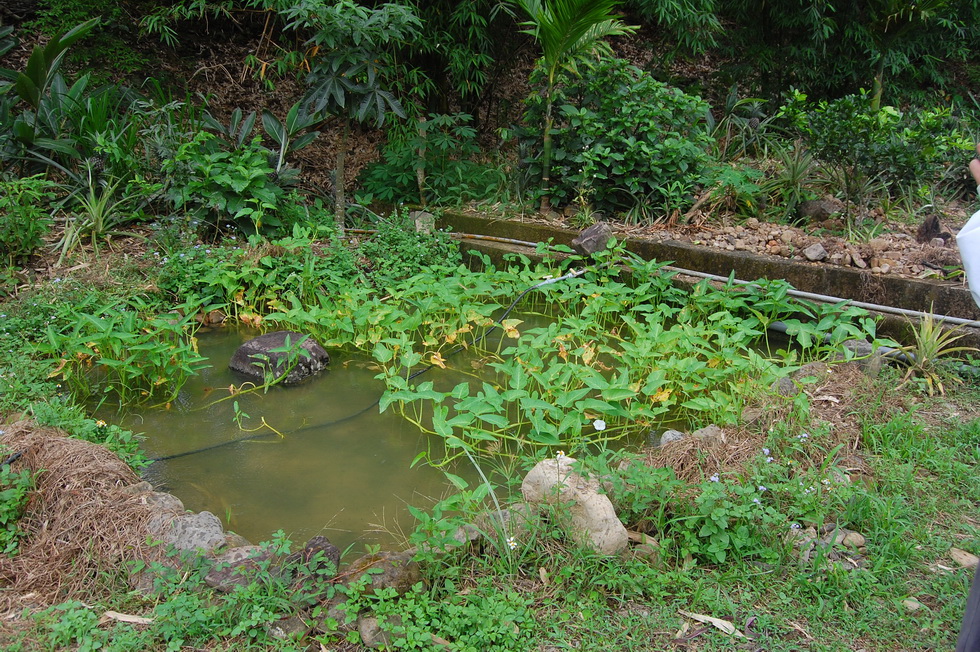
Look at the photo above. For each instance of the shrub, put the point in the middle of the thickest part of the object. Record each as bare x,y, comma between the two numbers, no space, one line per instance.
622,138
432,163
23,216
220,183
398,250
902,149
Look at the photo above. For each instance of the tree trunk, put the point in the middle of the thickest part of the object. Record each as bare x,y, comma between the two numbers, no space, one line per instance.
546,154
338,183
878,84
420,162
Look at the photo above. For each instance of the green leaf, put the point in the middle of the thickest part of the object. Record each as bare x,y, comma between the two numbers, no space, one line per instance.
618,393
273,127
547,438
457,481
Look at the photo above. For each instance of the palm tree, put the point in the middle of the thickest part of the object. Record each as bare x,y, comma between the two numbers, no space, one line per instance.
567,30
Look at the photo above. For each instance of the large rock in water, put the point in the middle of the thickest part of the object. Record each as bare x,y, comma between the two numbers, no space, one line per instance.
261,355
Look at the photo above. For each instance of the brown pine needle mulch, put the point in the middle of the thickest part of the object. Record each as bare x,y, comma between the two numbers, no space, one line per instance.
82,526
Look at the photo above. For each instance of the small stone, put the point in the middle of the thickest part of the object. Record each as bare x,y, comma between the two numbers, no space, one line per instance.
286,629
912,604
138,488
964,558
237,567
937,242
857,261
372,636
785,387
885,268
854,539
319,556
397,570
668,436
752,223
711,434
269,354
815,252
787,237
593,522
425,222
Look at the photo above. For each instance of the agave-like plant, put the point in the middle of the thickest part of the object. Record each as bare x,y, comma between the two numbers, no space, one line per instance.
566,30
932,342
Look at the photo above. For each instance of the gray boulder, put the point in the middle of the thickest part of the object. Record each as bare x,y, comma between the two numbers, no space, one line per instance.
266,355
593,523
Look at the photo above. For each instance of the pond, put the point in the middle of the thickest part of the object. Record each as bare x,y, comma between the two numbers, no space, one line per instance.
340,468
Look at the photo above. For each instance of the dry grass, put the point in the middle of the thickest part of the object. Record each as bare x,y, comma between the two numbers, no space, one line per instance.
81,525
834,400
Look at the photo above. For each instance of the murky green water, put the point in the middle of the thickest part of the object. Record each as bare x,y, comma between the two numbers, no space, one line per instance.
341,469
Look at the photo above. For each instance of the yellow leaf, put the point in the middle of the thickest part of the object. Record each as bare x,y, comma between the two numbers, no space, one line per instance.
438,360
588,354
562,352
510,327
57,370
661,396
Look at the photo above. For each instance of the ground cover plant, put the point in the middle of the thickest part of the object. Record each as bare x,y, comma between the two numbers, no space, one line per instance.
831,513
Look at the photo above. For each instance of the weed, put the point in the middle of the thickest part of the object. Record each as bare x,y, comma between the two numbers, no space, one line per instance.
15,487
100,209
933,341
23,217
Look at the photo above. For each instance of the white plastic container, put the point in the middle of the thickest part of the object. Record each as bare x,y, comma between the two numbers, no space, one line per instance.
968,240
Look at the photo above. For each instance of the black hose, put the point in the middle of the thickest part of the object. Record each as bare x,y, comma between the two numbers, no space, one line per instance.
13,458
497,324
